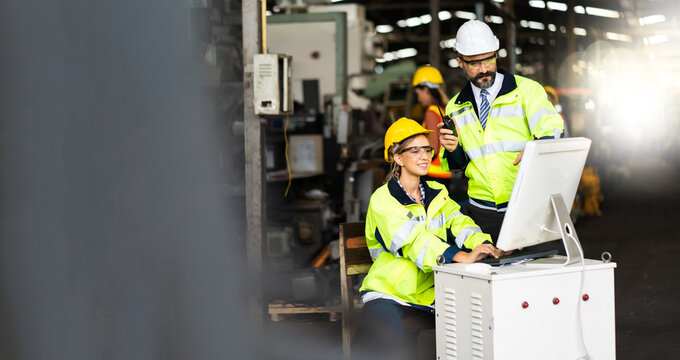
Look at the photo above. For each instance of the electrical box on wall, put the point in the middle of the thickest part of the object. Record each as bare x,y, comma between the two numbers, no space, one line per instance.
272,80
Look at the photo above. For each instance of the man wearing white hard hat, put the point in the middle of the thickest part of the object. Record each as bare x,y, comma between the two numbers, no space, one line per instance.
495,114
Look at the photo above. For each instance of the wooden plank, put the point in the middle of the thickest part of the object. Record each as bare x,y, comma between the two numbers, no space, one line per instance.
355,242
277,310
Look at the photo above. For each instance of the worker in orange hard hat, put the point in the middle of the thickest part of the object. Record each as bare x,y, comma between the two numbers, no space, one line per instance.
411,225
428,83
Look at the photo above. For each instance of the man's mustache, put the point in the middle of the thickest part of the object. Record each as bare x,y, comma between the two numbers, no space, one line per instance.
481,75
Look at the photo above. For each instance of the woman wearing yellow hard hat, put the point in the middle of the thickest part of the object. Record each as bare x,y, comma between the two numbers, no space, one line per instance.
428,83
411,225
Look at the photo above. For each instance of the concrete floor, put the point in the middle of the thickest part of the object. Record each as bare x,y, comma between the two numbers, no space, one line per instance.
640,227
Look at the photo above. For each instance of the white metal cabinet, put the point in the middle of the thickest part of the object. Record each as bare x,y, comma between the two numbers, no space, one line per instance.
525,312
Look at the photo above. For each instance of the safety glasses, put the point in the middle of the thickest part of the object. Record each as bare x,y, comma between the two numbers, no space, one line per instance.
418,151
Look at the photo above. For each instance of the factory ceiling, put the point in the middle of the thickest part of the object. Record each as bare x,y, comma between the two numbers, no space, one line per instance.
546,31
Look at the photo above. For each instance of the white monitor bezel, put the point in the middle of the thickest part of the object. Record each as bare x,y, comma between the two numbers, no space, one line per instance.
536,188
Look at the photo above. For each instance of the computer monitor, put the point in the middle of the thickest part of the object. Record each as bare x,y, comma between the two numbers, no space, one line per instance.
543,195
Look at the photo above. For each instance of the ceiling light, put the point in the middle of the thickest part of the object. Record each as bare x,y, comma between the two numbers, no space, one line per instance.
408,52
450,43
384,29
618,37
652,19
502,53
557,6
536,25
602,12
552,27
579,9
465,15
401,23
413,22
539,4
425,19
453,63
444,15
495,19
655,39
580,31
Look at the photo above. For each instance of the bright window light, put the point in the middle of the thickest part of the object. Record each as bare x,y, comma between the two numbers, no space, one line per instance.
444,15
655,39
557,6
602,12
413,22
465,15
652,19
618,37
552,27
495,19
384,29
425,19
580,31
536,25
579,9
453,63
539,4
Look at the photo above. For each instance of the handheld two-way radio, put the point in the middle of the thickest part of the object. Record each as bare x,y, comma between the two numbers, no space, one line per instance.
447,120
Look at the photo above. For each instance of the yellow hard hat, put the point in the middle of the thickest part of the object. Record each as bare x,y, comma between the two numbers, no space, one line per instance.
550,90
428,76
400,130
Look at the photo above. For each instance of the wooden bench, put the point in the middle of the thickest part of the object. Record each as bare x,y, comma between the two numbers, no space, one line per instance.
354,260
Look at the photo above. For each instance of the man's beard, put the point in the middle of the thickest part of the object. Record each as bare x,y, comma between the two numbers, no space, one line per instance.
483,84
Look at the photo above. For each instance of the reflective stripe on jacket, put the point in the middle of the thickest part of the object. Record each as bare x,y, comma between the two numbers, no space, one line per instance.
436,170
405,240
521,112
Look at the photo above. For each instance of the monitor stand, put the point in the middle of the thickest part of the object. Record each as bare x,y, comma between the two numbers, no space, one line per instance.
572,245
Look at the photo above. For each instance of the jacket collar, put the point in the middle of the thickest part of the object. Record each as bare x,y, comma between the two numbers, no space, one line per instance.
398,193
509,84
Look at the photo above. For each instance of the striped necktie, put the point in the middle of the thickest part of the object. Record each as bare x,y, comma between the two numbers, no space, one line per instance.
484,109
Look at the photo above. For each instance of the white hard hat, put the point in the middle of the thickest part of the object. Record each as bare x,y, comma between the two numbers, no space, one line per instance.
475,37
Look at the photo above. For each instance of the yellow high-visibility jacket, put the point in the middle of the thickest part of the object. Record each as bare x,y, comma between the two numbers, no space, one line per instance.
405,239
521,112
